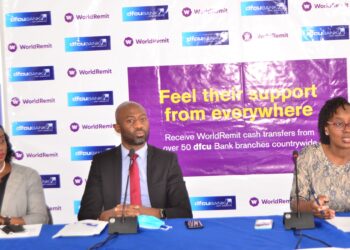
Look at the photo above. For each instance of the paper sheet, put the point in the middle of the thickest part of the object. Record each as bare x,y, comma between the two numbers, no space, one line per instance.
82,228
342,223
30,231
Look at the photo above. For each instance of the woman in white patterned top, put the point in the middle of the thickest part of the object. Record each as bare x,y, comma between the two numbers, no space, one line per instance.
324,168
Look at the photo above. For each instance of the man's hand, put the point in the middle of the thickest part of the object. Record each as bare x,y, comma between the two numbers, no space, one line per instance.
129,210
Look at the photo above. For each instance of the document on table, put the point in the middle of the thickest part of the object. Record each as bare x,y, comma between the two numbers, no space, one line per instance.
342,223
29,231
82,228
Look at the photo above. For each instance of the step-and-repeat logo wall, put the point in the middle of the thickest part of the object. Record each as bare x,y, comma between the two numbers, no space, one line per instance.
233,87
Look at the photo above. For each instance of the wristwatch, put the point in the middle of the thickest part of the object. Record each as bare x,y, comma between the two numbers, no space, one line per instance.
162,213
7,220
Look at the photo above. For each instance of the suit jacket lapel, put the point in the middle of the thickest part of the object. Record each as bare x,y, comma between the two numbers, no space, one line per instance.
113,176
117,171
150,172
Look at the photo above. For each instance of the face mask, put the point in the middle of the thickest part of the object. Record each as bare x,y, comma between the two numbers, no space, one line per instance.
151,222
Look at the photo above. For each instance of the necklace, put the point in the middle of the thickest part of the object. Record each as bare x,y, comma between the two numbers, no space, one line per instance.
3,167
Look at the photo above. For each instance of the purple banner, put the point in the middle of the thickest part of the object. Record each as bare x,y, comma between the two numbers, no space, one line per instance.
239,118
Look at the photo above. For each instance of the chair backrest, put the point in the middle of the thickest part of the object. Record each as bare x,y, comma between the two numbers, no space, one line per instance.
50,222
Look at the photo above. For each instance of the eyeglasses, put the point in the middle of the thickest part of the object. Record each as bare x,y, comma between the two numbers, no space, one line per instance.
340,125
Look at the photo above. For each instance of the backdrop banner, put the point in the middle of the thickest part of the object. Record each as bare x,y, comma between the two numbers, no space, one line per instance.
239,118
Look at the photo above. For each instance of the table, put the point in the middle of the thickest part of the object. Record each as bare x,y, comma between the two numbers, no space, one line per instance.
218,233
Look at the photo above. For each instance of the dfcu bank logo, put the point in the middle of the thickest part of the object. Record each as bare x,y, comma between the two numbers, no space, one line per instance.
205,38
145,13
268,7
322,33
73,44
28,19
40,73
51,181
34,128
90,98
87,152
213,203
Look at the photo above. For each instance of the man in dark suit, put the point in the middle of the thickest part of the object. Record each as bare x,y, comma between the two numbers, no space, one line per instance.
163,190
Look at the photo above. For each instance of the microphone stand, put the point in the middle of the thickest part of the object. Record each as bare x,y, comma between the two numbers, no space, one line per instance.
124,225
298,220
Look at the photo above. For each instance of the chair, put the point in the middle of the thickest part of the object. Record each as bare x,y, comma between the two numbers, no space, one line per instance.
50,222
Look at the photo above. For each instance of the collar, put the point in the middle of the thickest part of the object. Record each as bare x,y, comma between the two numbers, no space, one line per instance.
142,152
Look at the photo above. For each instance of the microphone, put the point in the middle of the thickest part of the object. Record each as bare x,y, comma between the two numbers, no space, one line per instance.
298,220
124,225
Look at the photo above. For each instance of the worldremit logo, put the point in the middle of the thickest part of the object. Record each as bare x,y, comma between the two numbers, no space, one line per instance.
186,12
40,73
247,36
213,203
322,33
15,101
72,72
69,17
12,47
128,41
254,201
145,13
55,208
51,181
268,7
19,155
85,153
90,98
34,128
74,44
306,6
77,180
74,127
205,38
28,19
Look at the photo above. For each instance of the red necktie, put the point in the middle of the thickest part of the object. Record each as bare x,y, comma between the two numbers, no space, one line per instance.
135,190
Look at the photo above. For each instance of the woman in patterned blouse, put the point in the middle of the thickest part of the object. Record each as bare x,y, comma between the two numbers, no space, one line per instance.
324,168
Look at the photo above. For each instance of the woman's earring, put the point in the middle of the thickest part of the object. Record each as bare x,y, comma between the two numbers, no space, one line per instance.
326,133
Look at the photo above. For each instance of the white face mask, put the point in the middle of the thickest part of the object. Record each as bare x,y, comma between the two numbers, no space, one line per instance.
151,222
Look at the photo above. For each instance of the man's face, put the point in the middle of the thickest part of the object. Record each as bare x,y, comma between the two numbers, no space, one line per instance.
133,126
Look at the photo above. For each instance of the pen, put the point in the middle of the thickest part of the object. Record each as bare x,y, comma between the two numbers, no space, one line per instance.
91,224
316,199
